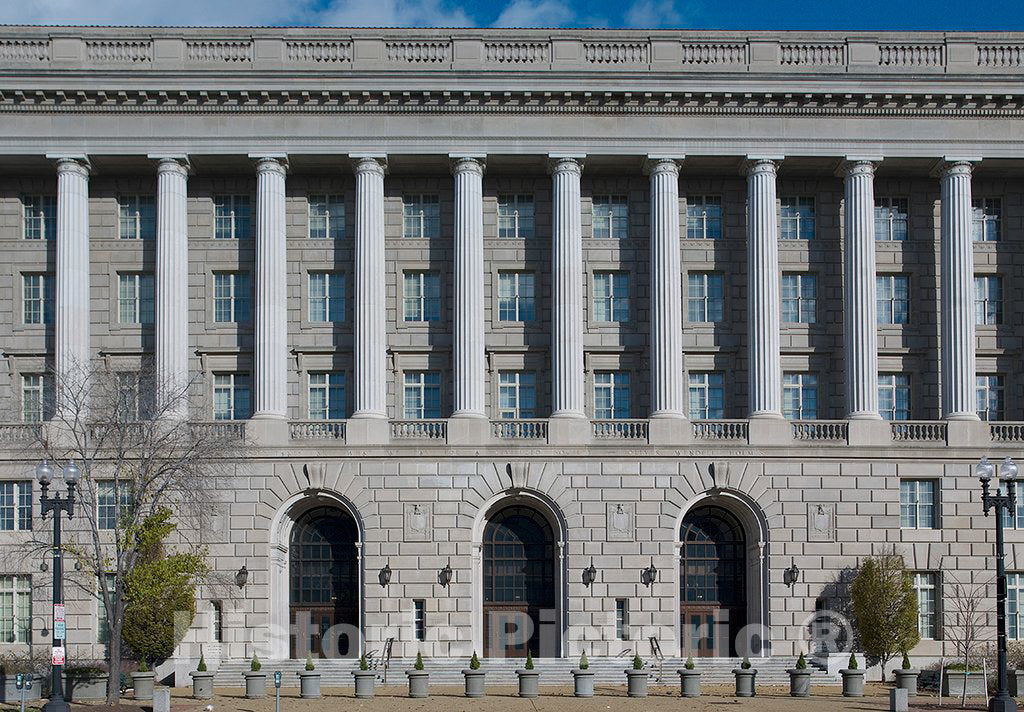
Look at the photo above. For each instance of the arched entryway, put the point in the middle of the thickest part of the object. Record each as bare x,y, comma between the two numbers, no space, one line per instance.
713,574
520,580
324,584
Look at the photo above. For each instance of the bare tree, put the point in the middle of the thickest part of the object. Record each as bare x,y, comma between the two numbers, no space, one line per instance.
137,455
965,620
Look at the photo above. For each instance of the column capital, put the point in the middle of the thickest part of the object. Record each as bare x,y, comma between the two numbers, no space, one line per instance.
663,164
761,164
466,163
366,163
71,163
955,165
270,162
559,163
858,166
171,164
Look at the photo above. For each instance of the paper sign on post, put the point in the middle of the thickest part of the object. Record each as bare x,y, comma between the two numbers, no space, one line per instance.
58,656
60,630
58,612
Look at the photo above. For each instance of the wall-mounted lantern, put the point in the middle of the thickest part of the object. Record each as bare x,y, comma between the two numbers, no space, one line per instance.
791,575
385,575
444,576
589,575
649,575
242,577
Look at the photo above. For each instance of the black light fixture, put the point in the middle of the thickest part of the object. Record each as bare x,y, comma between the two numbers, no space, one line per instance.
444,576
242,577
650,574
385,575
791,575
589,574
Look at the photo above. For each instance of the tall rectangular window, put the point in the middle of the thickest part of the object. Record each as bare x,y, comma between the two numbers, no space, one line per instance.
918,504
707,396
232,217
137,215
611,296
516,301
36,397
515,216
894,396
610,215
37,298
986,219
703,217
130,394
134,298
217,621
422,395
39,217
990,391
326,297
517,394
421,292
800,396
621,619
230,297
113,502
797,218
925,586
419,619
16,609
988,300
611,395
102,628
1015,606
421,216
705,297
231,396
893,298
891,219
326,217
799,298
16,506
326,396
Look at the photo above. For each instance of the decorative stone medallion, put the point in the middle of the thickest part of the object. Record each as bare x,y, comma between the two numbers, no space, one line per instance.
821,522
418,522
621,521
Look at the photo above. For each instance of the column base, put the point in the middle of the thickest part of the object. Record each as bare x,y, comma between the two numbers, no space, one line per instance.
469,430
267,431
869,432
569,430
967,432
367,430
769,430
669,430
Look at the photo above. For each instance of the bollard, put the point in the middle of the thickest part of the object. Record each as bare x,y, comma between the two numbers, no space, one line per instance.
161,700
899,701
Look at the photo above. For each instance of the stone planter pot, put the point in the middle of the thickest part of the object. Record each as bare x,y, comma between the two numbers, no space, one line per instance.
255,685
689,682
853,683
419,683
953,682
309,685
142,685
636,683
529,683
907,680
799,683
583,683
365,680
202,685
475,686
9,691
745,682
1016,682
78,688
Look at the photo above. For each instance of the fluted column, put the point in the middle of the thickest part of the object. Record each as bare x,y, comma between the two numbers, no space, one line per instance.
860,323
172,287
468,350
666,341
72,318
370,316
271,335
957,287
763,298
567,285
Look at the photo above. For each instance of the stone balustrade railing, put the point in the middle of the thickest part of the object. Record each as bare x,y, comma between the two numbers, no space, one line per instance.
731,430
821,430
317,430
533,429
19,433
221,429
927,431
419,429
620,429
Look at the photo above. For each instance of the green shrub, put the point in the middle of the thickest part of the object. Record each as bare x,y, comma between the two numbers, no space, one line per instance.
745,665
689,663
638,664
142,666
474,662
853,662
906,661
801,662
363,664
201,667
255,664
309,662
529,660
584,663
419,661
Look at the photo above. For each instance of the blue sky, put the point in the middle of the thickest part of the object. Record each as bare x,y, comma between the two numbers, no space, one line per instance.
695,14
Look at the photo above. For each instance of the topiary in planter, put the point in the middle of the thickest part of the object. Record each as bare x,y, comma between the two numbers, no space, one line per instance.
689,679
529,679
475,678
309,680
255,680
365,679
853,679
800,679
583,678
143,682
418,679
202,680
636,678
746,677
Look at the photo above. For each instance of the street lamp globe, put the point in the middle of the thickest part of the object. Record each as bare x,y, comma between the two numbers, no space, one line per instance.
984,470
71,473
1008,470
44,473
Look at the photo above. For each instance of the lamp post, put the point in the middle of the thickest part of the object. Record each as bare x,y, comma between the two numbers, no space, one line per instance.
1002,702
57,504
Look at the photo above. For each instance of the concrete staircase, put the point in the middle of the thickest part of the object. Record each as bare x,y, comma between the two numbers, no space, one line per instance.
553,671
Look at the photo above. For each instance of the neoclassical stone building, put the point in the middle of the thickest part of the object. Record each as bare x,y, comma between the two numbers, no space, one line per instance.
593,334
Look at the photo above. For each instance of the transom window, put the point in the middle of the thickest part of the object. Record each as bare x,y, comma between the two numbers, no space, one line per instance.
326,297
705,297
39,217
988,300
800,396
707,396
893,298
986,219
134,298
894,396
421,293
611,395
37,298
918,504
231,396
703,217
137,217
326,217
36,397
990,396
891,219
797,218
326,395
517,394
515,216
113,502
16,506
611,296
516,300
421,216
232,217
16,609
610,215
925,586
422,393
230,297
799,298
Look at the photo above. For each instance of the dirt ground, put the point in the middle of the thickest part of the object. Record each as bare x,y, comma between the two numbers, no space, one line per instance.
394,698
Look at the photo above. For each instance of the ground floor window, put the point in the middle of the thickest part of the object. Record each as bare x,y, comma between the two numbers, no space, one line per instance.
15,609
925,584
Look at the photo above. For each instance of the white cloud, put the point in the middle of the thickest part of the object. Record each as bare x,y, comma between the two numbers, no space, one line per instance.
394,13
156,12
542,13
652,13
